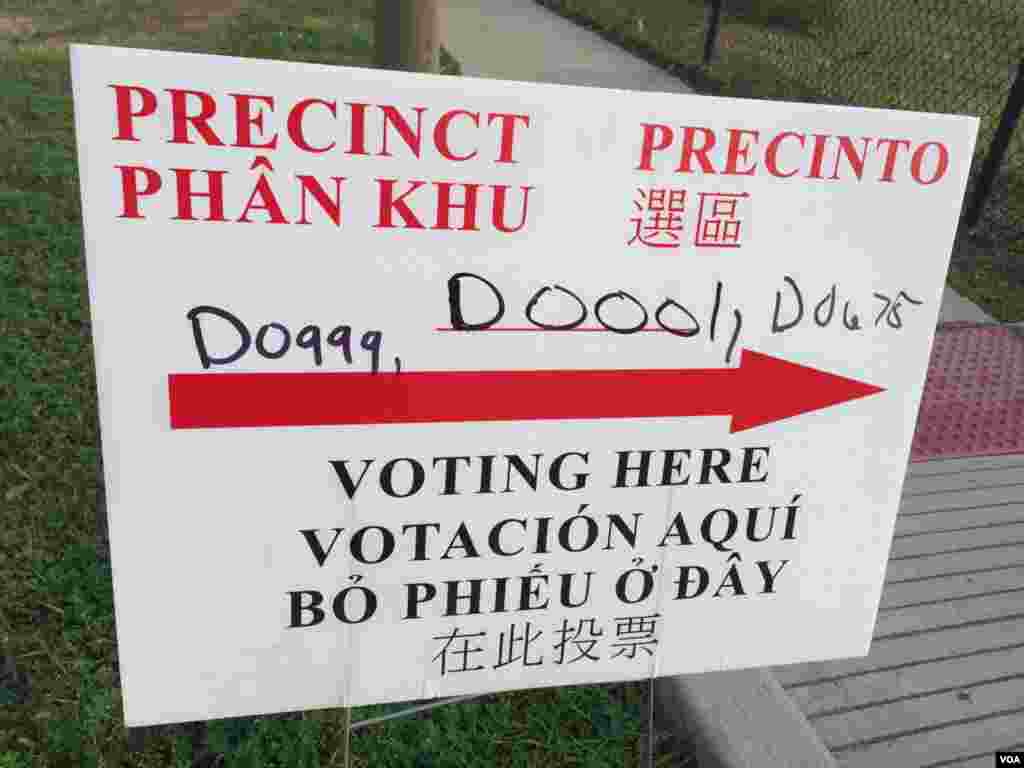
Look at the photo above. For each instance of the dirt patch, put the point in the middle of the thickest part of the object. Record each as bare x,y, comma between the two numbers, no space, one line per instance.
21,30
16,26
197,15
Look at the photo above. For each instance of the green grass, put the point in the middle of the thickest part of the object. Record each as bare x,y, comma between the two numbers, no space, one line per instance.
988,284
584,726
60,704
921,55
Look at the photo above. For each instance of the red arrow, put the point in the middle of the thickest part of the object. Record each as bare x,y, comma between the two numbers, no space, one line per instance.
762,390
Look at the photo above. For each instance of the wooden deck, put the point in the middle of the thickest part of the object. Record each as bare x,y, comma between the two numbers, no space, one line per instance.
944,682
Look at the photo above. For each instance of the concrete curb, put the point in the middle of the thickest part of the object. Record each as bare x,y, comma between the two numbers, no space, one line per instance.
739,719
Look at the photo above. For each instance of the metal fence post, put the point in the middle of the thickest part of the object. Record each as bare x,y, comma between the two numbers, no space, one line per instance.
711,36
997,149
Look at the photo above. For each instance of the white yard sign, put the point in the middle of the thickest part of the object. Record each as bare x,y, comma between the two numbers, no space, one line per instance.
413,386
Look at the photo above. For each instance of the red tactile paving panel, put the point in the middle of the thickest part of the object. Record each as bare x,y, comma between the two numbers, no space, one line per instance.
973,401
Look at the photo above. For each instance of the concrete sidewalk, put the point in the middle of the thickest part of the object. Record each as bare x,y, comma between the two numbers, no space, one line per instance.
521,40
955,308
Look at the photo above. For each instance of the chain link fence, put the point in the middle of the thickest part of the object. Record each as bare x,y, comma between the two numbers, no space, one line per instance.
952,56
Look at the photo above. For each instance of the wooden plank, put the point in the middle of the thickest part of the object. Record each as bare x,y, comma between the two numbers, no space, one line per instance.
980,760
946,743
918,485
958,518
974,497
928,617
920,468
960,562
850,728
946,541
920,679
903,651
407,34
950,587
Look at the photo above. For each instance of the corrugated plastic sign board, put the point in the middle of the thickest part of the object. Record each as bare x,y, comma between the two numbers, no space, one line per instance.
415,386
